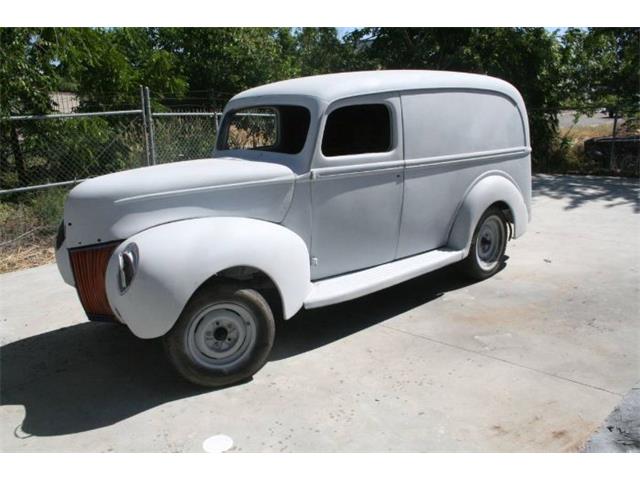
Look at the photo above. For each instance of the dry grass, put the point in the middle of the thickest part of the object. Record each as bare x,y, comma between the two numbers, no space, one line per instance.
570,153
580,134
248,139
27,254
27,229
571,157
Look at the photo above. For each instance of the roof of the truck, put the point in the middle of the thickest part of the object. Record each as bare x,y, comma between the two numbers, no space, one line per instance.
336,86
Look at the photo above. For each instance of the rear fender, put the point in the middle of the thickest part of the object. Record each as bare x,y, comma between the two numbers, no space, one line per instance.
485,192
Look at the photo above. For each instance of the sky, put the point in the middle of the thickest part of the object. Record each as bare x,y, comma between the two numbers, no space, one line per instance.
342,31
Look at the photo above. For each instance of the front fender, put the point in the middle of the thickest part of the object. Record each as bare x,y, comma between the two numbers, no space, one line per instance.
176,258
484,193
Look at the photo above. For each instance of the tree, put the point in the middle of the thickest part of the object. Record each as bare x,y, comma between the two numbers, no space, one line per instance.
319,50
103,66
27,70
109,65
601,67
224,61
27,77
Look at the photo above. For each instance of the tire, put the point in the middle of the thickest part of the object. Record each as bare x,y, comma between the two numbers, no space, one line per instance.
488,245
223,336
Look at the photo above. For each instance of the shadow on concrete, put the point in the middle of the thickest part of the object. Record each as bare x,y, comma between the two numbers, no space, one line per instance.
91,375
312,329
579,190
85,376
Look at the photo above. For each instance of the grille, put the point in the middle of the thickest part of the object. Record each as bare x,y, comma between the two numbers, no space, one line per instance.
89,266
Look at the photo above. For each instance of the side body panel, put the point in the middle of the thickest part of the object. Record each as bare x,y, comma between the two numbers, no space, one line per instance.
452,138
176,258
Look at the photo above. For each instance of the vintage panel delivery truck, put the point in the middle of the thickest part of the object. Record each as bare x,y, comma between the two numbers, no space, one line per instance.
320,190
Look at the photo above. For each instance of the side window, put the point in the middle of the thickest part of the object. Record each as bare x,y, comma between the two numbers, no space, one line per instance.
252,129
357,129
279,128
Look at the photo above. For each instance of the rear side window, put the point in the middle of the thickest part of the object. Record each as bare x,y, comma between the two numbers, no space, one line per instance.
357,129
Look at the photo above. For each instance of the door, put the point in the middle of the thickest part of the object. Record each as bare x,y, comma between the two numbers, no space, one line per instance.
356,186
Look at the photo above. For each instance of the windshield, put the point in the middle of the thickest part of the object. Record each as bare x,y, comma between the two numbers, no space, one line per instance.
281,129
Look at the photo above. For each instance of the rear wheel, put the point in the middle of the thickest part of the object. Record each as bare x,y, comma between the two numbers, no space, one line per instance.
488,245
223,336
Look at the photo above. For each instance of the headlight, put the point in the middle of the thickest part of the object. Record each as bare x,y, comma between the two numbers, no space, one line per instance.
128,265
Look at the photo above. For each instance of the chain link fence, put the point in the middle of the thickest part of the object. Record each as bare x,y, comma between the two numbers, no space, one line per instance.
184,135
40,152
63,148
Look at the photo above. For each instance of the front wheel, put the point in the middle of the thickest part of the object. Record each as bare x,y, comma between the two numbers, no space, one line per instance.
223,336
488,245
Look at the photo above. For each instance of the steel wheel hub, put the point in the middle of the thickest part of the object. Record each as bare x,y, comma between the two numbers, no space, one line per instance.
489,242
221,334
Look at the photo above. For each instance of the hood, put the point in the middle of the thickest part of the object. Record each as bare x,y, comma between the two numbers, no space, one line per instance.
116,206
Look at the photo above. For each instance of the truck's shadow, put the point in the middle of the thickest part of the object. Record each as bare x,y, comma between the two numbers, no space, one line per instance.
89,375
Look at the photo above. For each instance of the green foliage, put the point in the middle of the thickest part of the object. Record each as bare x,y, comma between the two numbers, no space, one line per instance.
27,71
68,149
48,205
105,68
184,138
228,60
601,68
109,65
87,147
24,212
319,50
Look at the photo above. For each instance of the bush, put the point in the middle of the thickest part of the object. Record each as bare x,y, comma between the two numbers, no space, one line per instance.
48,206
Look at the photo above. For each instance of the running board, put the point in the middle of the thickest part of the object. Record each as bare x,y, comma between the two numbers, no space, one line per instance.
363,282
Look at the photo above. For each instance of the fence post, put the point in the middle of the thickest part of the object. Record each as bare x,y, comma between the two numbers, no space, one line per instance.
152,140
612,150
145,125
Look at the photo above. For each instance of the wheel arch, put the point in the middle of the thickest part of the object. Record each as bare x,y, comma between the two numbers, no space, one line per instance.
495,189
247,276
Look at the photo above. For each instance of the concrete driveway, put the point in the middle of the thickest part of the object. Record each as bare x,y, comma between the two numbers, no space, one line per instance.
533,359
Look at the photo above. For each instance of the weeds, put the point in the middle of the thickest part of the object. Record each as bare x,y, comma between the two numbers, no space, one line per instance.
568,155
28,224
